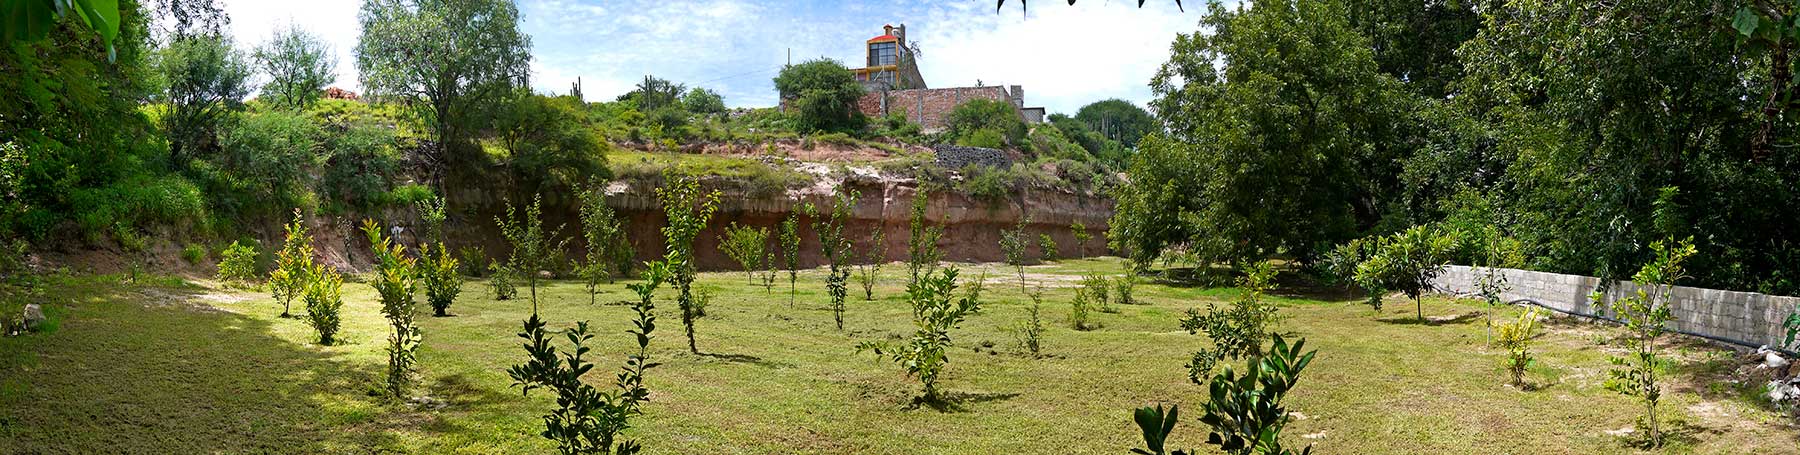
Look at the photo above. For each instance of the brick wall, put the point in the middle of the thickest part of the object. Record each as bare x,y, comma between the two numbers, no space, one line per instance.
927,107
1746,318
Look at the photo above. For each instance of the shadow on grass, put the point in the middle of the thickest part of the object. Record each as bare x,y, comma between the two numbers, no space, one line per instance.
958,401
743,358
1465,318
129,374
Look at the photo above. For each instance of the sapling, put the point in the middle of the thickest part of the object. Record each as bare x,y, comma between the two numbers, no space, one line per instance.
936,310
502,278
1081,237
394,281
836,246
1047,247
1078,311
531,247
1122,286
745,244
873,258
237,264
1097,287
1012,245
769,272
1491,283
1245,413
1238,330
1644,314
922,254
437,268
1406,262
324,301
608,251
688,211
790,246
293,266
588,420
1030,331
1515,337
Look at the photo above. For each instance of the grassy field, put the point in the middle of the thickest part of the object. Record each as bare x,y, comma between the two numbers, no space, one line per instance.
179,368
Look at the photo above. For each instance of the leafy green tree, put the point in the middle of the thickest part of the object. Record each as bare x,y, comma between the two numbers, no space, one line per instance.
835,243
588,420
1118,120
822,94
324,302
984,117
293,266
688,210
550,144
746,245
206,79
1278,120
1645,314
395,280
454,56
1081,237
1407,261
237,264
936,311
1047,247
703,101
1013,243
532,247
299,65
609,252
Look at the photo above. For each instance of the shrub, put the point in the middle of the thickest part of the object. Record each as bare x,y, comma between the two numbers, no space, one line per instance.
873,258
1644,315
394,279
688,211
746,245
293,266
1097,287
993,120
502,279
1516,338
986,182
1078,311
1406,262
588,420
1030,332
324,298
193,253
411,194
1123,285
1081,237
1047,246
608,250
822,94
437,272
472,260
1237,331
1245,413
935,311
237,263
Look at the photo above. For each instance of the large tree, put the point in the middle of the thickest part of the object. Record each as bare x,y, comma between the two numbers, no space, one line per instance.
298,64
206,79
1278,123
1118,120
823,94
452,55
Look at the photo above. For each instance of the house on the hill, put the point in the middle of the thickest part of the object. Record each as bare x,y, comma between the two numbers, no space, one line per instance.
894,84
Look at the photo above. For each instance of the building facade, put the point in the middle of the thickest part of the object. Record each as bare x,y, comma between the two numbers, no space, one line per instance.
893,84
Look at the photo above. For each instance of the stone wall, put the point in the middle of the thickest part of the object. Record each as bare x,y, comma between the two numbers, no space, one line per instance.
928,107
957,157
1745,318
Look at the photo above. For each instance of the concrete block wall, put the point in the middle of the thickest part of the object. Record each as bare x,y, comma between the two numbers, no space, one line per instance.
1745,318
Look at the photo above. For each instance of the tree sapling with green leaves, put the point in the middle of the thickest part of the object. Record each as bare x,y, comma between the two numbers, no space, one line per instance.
790,247
746,245
1245,413
1645,314
688,211
1236,331
936,310
293,266
324,301
869,269
531,247
437,268
394,281
836,246
922,253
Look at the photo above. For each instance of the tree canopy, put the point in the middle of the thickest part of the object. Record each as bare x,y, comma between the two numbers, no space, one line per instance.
453,55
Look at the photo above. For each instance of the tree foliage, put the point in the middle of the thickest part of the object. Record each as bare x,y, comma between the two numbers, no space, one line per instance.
206,79
453,56
395,281
1645,314
746,245
299,64
1117,120
822,94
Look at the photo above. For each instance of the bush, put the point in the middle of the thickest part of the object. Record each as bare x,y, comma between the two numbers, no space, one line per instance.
1047,246
237,264
1245,413
437,272
324,298
1078,311
986,182
193,253
360,169
267,154
1237,331
1123,284
502,279
984,138
1516,337
745,244
1097,287
822,94
472,259
395,280
993,120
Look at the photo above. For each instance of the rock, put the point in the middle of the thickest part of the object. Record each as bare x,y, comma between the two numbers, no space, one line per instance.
34,316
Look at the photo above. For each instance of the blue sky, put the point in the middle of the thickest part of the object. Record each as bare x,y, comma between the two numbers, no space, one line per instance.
1064,56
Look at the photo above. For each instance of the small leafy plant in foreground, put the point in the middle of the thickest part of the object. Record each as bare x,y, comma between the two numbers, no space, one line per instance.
1516,338
1245,413
1644,314
587,420
688,211
936,311
1237,331
324,300
293,266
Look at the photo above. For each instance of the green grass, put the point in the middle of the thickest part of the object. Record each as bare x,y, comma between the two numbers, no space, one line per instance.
166,369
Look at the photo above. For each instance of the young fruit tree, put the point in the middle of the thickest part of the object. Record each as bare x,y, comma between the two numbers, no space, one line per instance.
1644,314
746,245
394,281
608,251
1245,412
1239,330
1047,247
293,266
1516,337
688,212
531,249
936,311
1081,237
1030,332
324,301
836,246
922,254
790,247
437,268
873,258
588,420
1407,262
1012,245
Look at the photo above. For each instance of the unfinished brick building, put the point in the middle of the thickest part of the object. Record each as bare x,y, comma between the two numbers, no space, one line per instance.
894,84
